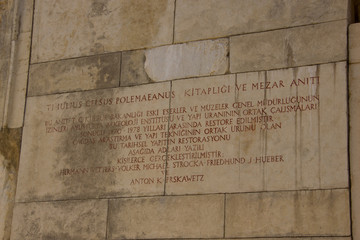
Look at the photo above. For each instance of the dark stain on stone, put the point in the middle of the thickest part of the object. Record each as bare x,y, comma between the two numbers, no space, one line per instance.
277,11
10,140
109,71
97,48
99,8
290,53
132,68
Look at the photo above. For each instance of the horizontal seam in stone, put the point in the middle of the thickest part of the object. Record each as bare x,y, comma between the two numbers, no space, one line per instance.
191,41
183,195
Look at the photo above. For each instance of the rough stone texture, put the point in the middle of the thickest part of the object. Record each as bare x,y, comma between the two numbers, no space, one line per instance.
6,13
354,101
187,60
354,43
310,144
9,158
73,144
167,217
73,220
99,27
289,47
14,60
132,68
300,213
86,73
17,94
202,19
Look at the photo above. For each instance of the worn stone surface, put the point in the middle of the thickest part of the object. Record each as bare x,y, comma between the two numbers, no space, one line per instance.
167,217
132,68
241,137
354,45
354,101
187,60
202,19
289,47
18,81
99,27
300,213
9,160
86,73
78,220
6,14
14,60
96,138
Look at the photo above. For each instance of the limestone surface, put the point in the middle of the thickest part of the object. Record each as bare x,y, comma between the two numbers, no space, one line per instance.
301,213
73,220
166,217
264,132
354,45
86,73
202,19
99,27
289,47
187,60
132,68
95,144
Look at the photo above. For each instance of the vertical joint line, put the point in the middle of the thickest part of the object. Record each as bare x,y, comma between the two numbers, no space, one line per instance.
173,36
224,223
107,219
120,62
167,141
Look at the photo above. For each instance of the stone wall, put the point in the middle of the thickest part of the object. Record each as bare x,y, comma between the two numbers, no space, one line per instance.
168,119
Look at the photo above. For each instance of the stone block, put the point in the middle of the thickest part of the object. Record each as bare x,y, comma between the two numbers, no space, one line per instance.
263,131
132,68
354,44
202,19
167,217
354,101
71,220
96,72
193,59
99,27
93,144
287,214
289,47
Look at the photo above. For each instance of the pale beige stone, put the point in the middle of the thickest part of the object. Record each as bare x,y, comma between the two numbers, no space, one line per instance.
202,19
132,68
354,43
187,60
258,141
289,47
354,101
86,73
99,27
94,144
26,12
80,220
299,213
18,81
167,217
15,53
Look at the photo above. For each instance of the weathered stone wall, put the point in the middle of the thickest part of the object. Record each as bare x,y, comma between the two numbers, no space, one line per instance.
179,119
